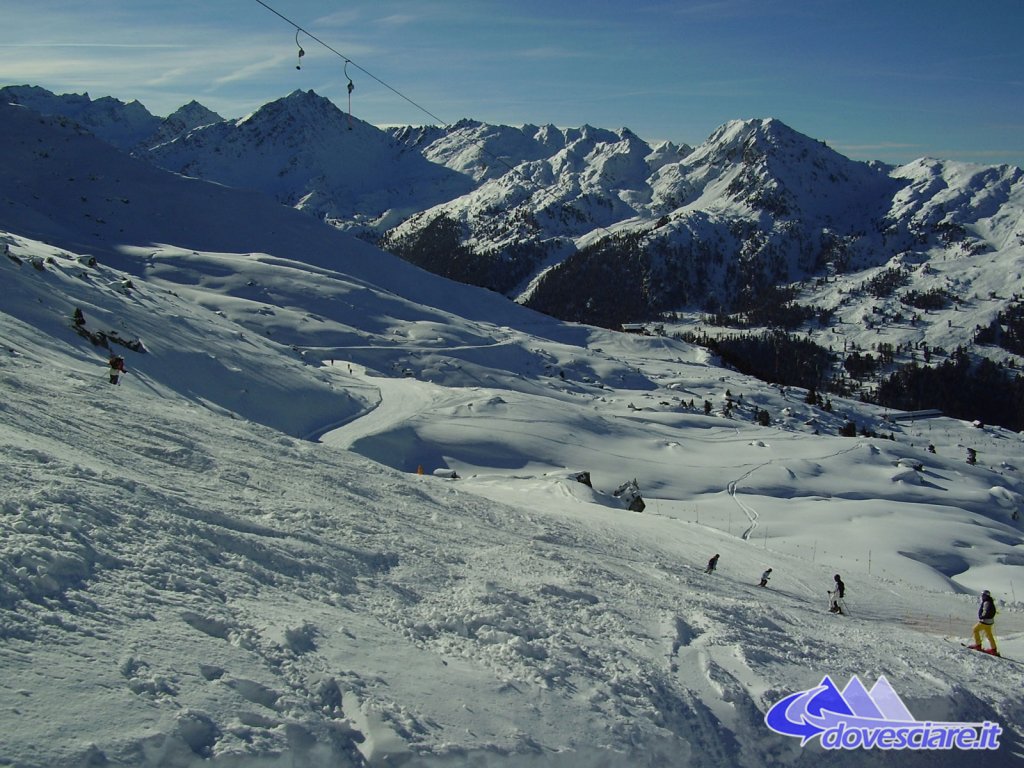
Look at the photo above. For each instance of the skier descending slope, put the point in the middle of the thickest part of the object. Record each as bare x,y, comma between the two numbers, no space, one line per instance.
836,594
116,364
764,578
712,564
986,618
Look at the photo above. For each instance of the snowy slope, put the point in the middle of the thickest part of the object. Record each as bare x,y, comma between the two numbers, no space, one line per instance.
181,585
187,581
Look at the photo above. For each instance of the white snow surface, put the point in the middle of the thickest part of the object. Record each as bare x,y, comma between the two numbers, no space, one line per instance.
232,558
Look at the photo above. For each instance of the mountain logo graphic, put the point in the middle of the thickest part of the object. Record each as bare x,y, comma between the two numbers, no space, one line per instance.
856,718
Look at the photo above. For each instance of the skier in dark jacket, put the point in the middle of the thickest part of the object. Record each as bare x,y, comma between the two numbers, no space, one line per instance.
116,364
712,564
986,618
837,593
764,578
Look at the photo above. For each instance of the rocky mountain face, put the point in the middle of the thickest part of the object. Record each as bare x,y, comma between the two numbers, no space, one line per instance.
759,225
609,229
537,189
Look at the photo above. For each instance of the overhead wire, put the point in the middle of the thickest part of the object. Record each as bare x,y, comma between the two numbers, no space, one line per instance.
347,60
440,121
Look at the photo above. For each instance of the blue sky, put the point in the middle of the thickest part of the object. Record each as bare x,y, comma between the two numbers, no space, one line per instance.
875,80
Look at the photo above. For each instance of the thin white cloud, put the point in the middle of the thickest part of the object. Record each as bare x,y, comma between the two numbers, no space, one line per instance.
979,154
168,77
718,9
398,20
251,69
333,20
91,45
553,52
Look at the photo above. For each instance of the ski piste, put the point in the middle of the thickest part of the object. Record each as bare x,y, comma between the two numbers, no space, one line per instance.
986,651
989,653
838,602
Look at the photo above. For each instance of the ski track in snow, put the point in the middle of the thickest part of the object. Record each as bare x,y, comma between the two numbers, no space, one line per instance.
699,669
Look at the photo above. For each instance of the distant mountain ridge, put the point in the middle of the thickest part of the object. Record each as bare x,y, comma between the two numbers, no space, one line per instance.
600,226
617,230
128,126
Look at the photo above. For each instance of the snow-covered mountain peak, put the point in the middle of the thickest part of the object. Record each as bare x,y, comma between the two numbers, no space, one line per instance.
481,150
670,149
195,114
306,152
726,141
615,161
549,135
295,118
127,126
300,103
589,133
181,121
770,167
769,144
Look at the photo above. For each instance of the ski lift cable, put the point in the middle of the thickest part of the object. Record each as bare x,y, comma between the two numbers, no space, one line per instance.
348,61
351,86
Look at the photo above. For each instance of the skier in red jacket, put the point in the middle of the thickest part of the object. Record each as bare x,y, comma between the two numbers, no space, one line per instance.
116,363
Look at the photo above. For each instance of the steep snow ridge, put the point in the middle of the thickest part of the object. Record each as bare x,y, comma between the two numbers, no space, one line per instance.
130,127
229,371
725,144
983,200
617,166
666,152
592,178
